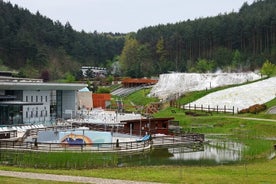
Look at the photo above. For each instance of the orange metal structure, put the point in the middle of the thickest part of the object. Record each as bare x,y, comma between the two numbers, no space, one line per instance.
100,100
131,82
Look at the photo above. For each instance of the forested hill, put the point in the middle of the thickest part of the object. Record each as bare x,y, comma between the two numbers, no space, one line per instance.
236,41
35,45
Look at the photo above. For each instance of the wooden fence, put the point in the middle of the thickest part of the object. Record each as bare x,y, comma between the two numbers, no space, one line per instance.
216,109
207,109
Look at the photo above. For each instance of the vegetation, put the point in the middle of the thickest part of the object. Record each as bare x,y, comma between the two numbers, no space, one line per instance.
34,41
257,172
103,90
59,160
239,41
38,47
10,180
233,42
137,101
254,168
268,68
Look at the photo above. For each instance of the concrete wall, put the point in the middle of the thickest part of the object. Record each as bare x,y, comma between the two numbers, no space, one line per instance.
36,113
69,102
85,100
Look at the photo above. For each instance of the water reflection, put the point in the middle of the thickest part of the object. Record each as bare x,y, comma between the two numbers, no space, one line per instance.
216,151
219,151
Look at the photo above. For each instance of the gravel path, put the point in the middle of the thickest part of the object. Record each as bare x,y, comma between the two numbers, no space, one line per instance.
65,178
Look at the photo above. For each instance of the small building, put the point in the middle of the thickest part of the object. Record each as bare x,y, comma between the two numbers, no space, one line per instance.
85,99
134,82
101,100
147,126
95,71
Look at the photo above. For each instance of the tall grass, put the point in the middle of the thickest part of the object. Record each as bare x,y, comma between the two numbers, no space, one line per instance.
55,160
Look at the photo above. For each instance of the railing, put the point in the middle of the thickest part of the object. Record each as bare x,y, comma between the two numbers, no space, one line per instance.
87,147
8,134
185,139
209,109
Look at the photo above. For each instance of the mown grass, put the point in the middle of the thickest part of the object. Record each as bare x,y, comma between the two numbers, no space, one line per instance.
136,101
12,180
140,97
255,172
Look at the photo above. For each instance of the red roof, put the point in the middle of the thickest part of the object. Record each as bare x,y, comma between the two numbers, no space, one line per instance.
142,80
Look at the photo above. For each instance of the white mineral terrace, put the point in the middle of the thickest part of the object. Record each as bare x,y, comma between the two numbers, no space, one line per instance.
241,97
238,97
180,83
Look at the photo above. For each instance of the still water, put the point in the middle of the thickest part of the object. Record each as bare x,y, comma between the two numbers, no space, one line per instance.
213,152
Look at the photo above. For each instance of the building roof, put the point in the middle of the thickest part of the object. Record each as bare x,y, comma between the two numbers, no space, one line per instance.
142,80
84,90
40,86
19,103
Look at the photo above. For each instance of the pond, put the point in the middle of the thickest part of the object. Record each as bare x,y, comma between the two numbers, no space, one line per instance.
214,151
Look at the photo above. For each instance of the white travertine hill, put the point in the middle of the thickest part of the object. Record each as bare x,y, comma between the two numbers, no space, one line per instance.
180,83
241,97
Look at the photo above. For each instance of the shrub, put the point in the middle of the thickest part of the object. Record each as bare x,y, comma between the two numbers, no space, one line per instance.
254,109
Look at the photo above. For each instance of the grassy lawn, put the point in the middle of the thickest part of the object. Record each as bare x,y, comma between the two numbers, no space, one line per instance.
138,98
254,172
257,135
11,180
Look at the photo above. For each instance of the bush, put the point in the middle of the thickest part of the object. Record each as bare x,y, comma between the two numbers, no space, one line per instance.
254,109
103,90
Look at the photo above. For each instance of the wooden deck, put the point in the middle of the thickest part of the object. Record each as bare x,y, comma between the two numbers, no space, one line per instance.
171,141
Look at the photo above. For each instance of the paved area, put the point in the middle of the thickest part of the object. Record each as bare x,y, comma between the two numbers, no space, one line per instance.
65,178
272,110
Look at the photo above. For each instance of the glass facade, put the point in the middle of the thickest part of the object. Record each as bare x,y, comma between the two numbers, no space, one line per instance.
29,103
59,104
10,114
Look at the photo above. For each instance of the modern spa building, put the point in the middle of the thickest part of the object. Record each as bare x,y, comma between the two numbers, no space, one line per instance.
30,101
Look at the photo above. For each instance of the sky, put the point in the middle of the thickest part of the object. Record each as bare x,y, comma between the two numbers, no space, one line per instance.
124,16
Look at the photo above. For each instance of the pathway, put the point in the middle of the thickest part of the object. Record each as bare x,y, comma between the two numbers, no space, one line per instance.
66,178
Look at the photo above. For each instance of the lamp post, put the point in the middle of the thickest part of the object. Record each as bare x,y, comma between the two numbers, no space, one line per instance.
140,124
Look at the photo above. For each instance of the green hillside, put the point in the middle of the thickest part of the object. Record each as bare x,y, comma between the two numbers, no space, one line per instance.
37,46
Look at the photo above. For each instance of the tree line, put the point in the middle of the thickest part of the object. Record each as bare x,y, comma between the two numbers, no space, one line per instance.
238,41
36,46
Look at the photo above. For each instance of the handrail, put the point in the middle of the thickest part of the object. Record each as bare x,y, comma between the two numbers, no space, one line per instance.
87,147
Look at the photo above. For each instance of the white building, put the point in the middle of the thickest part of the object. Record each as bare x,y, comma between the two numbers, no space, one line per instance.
29,101
97,71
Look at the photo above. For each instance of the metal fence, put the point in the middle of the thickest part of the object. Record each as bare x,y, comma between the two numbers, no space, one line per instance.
88,147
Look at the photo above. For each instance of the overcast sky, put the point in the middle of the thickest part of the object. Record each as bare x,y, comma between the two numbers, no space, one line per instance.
125,16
